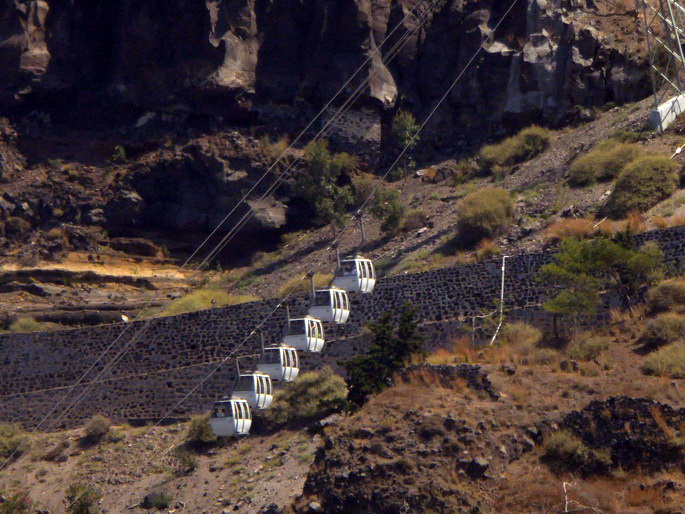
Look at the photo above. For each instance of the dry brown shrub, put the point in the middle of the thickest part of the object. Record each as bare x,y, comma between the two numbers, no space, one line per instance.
427,377
660,222
579,228
487,249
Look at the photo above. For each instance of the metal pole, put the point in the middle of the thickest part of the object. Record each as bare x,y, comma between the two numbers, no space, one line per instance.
501,301
361,227
652,75
674,35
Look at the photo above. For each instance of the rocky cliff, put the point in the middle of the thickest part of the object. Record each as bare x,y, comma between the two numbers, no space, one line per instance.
227,56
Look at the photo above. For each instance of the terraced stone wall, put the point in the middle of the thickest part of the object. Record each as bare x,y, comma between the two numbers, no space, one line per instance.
165,358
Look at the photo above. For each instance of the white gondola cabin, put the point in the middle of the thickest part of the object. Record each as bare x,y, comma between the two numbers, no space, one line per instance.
355,275
280,363
255,388
330,305
304,334
231,417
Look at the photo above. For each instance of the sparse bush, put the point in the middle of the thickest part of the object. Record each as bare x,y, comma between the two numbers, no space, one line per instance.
667,296
200,431
566,452
415,219
487,249
156,500
274,150
523,146
485,213
603,163
187,461
587,346
520,334
13,441
668,361
312,396
298,285
24,325
82,499
665,328
641,185
388,207
205,299
18,503
97,428
363,189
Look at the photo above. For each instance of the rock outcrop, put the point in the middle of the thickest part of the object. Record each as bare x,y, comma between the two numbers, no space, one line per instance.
226,57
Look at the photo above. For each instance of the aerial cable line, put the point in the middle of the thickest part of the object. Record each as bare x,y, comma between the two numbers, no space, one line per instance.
321,112
343,109
241,223
358,213
312,121
432,112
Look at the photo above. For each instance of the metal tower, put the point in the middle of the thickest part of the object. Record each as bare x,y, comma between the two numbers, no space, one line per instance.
664,26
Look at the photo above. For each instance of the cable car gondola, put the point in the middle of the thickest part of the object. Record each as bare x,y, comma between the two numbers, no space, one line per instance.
330,305
231,417
304,334
254,388
355,275
280,363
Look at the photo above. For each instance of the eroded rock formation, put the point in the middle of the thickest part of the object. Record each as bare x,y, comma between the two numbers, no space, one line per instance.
224,56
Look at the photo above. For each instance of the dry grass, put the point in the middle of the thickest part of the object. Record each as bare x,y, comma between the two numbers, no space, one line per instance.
487,249
668,361
298,285
205,299
578,228
429,378
586,228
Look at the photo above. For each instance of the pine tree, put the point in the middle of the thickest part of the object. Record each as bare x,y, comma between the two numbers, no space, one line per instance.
389,352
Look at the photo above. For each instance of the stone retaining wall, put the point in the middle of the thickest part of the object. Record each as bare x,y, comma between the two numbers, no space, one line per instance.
53,361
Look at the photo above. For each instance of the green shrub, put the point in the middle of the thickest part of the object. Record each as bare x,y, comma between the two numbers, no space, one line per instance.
665,328
363,189
520,334
82,499
641,185
603,163
587,347
388,207
97,428
667,296
13,441
566,452
200,431
485,213
18,503
393,344
156,500
23,325
515,149
668,361
205,299
312,396
319,184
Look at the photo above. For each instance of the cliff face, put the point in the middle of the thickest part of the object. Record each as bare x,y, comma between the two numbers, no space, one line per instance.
225,56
